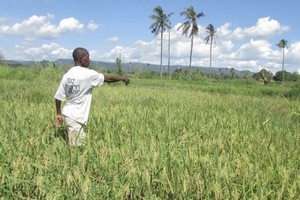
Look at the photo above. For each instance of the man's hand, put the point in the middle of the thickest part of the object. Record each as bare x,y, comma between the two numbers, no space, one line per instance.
58,121
126,80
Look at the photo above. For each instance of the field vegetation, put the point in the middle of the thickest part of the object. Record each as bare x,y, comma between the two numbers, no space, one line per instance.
153,139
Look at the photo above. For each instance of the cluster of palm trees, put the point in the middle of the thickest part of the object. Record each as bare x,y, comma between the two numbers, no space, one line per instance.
189,27
162,23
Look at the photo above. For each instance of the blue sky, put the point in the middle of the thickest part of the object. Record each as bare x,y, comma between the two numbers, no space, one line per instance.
247,31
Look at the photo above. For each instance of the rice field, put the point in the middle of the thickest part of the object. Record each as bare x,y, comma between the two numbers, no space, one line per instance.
152,139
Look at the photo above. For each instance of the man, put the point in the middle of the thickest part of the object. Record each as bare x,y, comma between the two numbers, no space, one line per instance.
76,88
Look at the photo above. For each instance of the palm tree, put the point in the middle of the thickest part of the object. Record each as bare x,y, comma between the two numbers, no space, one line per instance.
210,29
282,45
190,26
159,26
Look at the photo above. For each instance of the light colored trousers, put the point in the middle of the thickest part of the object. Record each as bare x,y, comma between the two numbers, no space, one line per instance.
76,134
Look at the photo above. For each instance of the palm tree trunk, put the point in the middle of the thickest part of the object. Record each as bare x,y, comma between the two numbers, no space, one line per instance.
210,56
161,51
191,55
169,49
282,66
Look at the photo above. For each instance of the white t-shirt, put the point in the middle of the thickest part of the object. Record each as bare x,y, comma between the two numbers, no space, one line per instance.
76,88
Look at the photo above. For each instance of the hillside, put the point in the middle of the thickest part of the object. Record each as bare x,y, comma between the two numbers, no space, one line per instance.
131,67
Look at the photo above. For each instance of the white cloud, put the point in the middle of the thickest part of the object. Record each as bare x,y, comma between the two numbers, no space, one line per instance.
4,29
255,49
293,51
292,57
50,51
224,30
113,39
264,27
41,27
69,24
92,26
140,51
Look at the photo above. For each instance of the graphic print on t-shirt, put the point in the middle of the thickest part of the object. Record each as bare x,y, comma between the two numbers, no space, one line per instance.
71,88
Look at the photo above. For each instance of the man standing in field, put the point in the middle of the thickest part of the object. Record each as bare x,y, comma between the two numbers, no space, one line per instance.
76,88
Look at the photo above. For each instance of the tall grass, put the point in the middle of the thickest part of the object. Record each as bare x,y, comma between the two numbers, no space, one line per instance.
153,139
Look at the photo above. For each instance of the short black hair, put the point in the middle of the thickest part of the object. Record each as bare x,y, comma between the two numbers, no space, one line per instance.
77,53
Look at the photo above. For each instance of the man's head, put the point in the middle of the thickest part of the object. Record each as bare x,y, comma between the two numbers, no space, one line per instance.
81,57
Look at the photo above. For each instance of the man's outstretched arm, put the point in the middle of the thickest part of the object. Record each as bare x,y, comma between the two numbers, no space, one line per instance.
111,79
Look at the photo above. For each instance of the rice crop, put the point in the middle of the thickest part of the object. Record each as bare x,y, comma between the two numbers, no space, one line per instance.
152,139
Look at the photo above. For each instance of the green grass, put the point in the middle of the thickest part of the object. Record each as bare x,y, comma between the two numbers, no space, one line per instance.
153,139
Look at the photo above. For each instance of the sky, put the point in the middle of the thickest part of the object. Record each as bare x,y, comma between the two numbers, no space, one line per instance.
246,32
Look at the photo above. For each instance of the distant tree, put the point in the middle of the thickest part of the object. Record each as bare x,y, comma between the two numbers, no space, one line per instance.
45,63
210,29
247,74
294,76
180,74
2,58
138,70
190,26
119,66
130,67
263,75
232,73
159,26
278,76
288,76
282,44
267,75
